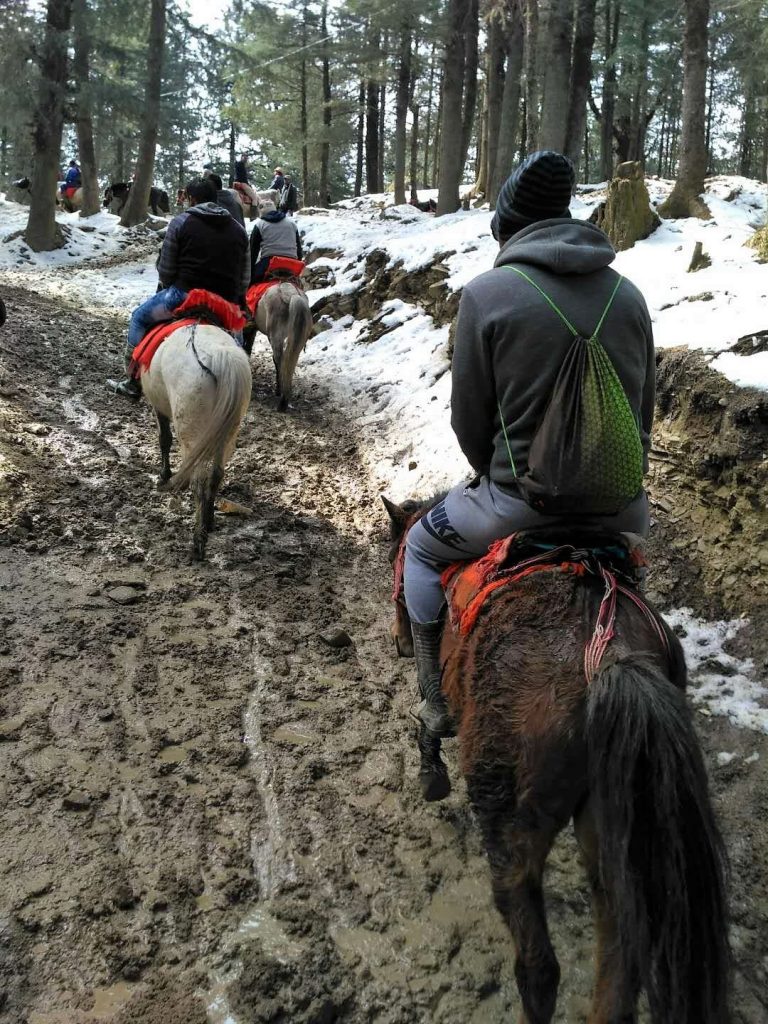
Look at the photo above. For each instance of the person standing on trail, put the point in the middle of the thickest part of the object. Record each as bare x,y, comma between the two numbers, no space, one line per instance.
273,235
510,348
204,247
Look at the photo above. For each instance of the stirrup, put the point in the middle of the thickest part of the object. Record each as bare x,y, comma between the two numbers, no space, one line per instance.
129,387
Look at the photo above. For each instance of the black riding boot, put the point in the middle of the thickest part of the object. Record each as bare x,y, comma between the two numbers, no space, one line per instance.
129,386
433,710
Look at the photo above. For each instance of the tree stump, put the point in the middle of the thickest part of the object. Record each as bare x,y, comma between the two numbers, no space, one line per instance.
627,215
700,259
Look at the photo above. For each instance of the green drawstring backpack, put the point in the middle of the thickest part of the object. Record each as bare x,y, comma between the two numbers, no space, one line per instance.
586,457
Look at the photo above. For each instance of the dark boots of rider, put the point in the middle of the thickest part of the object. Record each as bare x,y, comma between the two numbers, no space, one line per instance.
129,386
433,710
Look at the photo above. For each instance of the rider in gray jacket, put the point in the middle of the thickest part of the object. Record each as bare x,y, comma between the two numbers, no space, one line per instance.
508,351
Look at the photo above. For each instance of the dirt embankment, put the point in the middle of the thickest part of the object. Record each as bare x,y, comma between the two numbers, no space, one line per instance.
208,785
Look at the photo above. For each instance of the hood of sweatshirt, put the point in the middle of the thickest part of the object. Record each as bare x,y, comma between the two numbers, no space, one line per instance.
209,210
562,246
274,216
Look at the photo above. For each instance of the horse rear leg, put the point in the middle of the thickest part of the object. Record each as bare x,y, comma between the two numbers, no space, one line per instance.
517,842
166,437
616,992
214,482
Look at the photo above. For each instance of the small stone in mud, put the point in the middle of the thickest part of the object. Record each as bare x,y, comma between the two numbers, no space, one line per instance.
123,595
77,800
337,638
39,429
412,464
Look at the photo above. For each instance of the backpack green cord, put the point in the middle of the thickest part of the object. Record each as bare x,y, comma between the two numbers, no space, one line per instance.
587,453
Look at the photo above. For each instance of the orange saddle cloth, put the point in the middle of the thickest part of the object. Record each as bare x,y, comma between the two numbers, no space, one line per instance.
225,314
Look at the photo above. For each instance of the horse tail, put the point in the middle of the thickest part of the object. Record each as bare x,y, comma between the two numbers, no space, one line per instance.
298,331
662,860
231,370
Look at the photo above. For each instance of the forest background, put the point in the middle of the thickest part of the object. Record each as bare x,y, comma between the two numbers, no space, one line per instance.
357,96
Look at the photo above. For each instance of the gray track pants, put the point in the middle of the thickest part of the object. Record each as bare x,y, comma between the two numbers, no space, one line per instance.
467,522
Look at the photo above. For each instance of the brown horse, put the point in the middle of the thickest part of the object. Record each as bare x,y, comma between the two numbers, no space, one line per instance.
539,747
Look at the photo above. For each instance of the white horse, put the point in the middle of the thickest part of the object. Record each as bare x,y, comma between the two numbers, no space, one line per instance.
200,381
284,316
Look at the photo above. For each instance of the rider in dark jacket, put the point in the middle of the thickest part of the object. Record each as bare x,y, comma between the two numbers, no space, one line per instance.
278,182
204,247
508,351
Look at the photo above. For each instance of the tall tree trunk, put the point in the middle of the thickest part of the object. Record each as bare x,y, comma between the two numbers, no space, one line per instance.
325,145
360,140
451,163
42,233
120,158
4,152
91,201
428,126
303,116
382,131
136,208
495,94
471,63
232,143
557,76
684,201
608,112
372,137
414,166
710,106
510,102
581,75
438,135
639,114
531,75
401,108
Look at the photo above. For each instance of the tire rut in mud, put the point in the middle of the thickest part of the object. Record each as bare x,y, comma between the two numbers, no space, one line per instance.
153,862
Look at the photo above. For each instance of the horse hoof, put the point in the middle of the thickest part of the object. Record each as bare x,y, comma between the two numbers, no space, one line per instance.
435,785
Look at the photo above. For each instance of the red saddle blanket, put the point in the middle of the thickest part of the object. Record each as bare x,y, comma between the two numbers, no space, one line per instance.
70,190
150,343
468,585
198,300
286,268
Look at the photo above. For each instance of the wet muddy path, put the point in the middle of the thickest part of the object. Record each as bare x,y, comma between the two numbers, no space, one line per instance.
208,808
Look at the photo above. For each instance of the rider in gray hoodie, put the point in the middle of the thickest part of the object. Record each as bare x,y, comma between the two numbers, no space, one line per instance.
509,348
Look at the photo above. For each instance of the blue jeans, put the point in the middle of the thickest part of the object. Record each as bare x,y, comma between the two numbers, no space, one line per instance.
160,307
465,524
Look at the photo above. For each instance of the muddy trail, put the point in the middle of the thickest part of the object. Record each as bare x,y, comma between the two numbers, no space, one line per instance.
208,805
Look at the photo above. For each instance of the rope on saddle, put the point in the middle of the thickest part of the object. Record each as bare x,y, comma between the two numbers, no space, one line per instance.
200,363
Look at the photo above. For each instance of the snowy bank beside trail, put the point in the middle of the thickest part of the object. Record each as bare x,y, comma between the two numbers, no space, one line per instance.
76,271
707,310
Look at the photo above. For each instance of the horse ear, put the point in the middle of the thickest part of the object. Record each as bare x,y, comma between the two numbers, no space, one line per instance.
396,514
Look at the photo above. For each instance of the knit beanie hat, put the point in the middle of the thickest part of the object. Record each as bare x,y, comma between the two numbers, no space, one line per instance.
540,188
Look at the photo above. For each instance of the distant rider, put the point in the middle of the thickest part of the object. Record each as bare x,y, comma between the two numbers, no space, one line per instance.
73,179
227,198
204,247
274,234
278,182
241,168
289,197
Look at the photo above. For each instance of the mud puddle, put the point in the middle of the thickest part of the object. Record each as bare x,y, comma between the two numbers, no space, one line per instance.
209,814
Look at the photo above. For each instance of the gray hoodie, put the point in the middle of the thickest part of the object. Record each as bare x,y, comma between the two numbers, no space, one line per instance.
510,344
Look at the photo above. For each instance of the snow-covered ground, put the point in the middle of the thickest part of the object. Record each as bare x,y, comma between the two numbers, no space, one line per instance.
398,387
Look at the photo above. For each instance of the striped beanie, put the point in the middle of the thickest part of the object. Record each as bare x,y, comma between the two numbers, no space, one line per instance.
540,188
